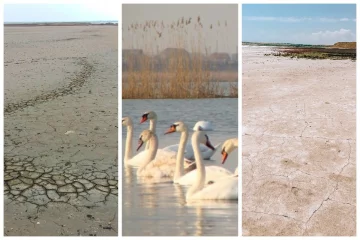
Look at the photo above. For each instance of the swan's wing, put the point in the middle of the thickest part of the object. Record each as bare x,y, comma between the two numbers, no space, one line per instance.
175,147
213,173
136,160
225,189
171,148
188,153
187,179
163,166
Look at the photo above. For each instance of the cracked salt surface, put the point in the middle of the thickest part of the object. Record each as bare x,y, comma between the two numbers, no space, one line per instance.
299,147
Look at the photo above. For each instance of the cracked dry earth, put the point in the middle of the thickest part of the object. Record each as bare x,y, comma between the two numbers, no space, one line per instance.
60,123
299,153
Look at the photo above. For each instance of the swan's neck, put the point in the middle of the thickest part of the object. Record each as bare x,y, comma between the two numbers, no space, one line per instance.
152,125
179,167
200,168
128,144
151,128
150,154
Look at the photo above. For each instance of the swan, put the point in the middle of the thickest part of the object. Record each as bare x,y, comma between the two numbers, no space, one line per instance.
157,166
206,152
223,189
229,146
152,117
212,172
129,159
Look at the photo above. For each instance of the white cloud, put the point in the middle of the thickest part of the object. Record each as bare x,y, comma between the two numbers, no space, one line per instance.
331,37
296,19
279,19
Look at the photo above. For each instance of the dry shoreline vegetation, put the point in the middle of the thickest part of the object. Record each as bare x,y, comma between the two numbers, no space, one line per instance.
156,70
53,24
339,51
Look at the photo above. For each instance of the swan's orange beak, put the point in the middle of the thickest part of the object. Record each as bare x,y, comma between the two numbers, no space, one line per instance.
143,118
224,156
209,145
140,143
170,130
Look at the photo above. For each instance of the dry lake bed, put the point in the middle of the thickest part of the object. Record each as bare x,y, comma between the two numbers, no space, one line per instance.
299,152
60,127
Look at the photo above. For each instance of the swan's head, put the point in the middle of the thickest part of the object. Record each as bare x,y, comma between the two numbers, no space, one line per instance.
203,126
177,127
144,137
228,146
202,137
148,115
126,121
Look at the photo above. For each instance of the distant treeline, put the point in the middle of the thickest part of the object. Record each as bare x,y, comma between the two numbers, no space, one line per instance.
284,45
58,24
136,59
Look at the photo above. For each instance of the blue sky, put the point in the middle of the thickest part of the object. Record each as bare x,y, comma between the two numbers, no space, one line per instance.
299,23
90,11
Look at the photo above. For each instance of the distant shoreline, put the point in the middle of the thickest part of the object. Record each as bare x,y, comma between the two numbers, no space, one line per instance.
345,45
47,24
282,44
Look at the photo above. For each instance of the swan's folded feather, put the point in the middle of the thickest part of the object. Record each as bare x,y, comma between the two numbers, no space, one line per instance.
213,173
225,189
163,165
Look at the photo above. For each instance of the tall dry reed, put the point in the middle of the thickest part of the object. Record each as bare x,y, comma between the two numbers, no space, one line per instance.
164,69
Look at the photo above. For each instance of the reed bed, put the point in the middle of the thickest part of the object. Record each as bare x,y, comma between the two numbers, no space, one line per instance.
158,65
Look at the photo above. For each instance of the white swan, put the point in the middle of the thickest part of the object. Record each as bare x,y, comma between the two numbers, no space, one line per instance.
229,146
153,165
136,160
189,152
223,189
212,172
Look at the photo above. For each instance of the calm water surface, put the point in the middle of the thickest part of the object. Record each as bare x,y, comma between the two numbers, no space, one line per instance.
160,208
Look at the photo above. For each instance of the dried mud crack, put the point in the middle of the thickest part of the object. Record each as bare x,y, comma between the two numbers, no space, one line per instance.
39,185
76,83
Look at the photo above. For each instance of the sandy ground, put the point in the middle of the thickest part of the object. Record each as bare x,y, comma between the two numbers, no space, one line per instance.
60,131
299,153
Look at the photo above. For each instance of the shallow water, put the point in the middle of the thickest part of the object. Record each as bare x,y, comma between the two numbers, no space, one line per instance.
154,209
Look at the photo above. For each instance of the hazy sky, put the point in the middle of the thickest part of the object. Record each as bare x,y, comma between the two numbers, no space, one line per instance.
299,23
35,12
214,35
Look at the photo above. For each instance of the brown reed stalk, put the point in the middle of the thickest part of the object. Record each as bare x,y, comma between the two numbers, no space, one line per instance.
185,75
